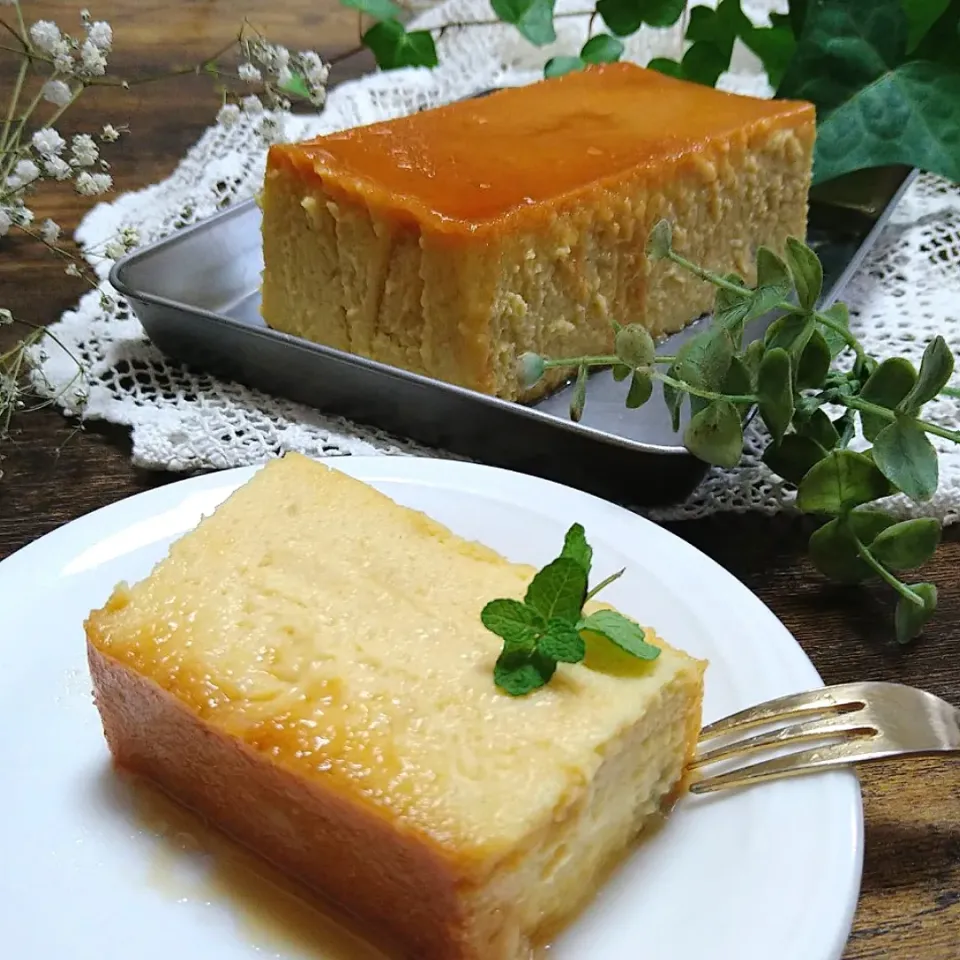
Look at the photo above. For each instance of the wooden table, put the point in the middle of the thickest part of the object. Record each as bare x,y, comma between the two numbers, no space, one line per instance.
910,902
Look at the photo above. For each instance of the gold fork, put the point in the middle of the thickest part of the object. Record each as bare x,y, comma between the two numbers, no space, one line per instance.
855,722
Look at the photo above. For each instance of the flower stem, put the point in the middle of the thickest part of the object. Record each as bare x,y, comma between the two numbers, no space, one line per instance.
857,403
698,392
880,570
713,278
14,101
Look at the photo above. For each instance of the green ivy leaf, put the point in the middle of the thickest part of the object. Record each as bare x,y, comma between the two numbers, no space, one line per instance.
664,65
641,389
533,18
921,16
814,363
793,457
806,271
520,674
627,635
557,590
576,548
703,63
558,66
834,552
842,480
886,387
392,47
775,46
602,48
839,314
775,391
819,427
908,544
377,9
703,361
514,622
562,641
936,368
910,618
625,17
905,455
715,434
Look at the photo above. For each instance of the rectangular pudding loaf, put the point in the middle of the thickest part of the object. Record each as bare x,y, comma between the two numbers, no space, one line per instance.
452,240
308,669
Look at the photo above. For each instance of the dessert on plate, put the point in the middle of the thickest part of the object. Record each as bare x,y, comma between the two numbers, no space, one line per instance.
308,669
451,241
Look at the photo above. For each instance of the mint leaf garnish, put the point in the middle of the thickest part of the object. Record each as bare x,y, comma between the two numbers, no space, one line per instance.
562,641
547,627
514,622
557,591
627,635
575,547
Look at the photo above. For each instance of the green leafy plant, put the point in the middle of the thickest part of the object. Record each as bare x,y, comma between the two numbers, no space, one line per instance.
809,402
884,75
549,625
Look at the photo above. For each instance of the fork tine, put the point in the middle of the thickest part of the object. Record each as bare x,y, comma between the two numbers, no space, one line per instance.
845,725
792,764
841,697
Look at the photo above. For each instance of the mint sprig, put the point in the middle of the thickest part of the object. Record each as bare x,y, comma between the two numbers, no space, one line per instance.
807,364
547,627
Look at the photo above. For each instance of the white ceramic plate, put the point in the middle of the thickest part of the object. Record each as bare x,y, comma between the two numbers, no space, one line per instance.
769,872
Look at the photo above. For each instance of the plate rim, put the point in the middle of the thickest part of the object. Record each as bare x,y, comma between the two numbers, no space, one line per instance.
403,468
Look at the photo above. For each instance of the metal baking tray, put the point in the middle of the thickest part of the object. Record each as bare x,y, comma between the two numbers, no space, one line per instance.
197,295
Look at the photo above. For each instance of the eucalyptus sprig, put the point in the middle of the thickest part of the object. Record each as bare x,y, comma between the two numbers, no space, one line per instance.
809,402
549,626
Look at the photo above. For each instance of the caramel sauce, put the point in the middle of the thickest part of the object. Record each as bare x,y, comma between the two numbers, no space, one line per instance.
193,862
475,161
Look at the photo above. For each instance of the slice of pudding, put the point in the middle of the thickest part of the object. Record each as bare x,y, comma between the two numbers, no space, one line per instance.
452,240
308,669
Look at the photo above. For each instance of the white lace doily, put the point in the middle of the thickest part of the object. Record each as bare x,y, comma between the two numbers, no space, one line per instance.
908,291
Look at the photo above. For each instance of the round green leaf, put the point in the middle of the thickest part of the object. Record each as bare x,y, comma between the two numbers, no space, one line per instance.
773,283
601,49
558,66
907,545
620,372
737,383
814,362
775,391
818,426
660,241
905,455
533,18
843,479
910,618
886,387
392,47
634,346
793,457
838,314
530,369
834,551
704,360
664,65
791,333
579,399
715,434
936,368
641,388
730,309
806,271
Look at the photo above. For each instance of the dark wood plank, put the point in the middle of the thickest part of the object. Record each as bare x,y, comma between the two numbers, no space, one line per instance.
910,903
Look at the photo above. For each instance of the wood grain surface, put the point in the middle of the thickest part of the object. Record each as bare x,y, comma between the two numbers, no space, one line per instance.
910,903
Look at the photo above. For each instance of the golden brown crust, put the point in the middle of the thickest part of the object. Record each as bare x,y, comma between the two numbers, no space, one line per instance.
396,883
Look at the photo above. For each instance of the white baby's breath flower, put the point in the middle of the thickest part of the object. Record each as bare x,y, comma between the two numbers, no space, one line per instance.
92,184
73,270
249,73
57,92
21,215
130,237
50,231
47,142
109,134
6,317
6,221
26,171
270,128
84,151
228,115
57,167
313,67
114,249
63,61
94,62
284,76
100,34
251,105
45,35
